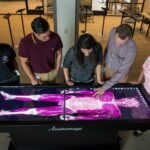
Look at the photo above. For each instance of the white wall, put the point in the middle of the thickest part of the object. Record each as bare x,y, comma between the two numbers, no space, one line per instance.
65,18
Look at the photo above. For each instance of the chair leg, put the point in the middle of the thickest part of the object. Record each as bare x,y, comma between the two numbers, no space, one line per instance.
134,28
141,27
148,30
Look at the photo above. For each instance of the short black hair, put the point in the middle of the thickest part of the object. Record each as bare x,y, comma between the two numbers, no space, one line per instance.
124,31
40,25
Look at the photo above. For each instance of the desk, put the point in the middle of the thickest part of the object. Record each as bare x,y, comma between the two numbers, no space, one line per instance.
146,20
53,117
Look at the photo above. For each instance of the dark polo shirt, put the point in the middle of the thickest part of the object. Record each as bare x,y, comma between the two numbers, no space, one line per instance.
41,55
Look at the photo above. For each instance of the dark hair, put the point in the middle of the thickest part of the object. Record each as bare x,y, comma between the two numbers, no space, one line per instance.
40,25
86,41
124,31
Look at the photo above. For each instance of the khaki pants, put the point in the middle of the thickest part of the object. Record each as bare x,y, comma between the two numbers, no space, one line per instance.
109,73
49,77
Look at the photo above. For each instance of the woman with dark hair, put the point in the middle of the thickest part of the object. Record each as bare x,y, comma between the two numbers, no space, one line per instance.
82,60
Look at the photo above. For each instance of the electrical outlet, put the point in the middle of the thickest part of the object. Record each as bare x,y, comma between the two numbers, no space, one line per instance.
66,31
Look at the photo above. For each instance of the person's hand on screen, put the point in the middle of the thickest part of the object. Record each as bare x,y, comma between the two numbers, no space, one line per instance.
98,92
134,82
35,82
70,83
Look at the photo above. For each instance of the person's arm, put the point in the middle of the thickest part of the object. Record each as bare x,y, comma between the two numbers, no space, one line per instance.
26,67
111,35
98,74
67,65
66,74
145,65
24,61
121,72
58,59
141,76
59,46
67,77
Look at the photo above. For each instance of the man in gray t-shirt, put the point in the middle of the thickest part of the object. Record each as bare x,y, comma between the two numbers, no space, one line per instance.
120,55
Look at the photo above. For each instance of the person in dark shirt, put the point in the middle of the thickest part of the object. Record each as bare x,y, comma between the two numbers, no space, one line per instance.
41,53
9,74
82,60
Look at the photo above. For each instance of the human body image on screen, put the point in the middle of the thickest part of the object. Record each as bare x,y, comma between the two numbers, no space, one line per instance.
82,103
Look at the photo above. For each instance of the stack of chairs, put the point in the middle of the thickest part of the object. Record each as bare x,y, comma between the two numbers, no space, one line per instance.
131,15
86,4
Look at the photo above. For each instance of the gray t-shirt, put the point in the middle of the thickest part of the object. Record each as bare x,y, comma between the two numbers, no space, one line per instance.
78,72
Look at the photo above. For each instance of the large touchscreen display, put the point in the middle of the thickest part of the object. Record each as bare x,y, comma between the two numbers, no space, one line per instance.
77,103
